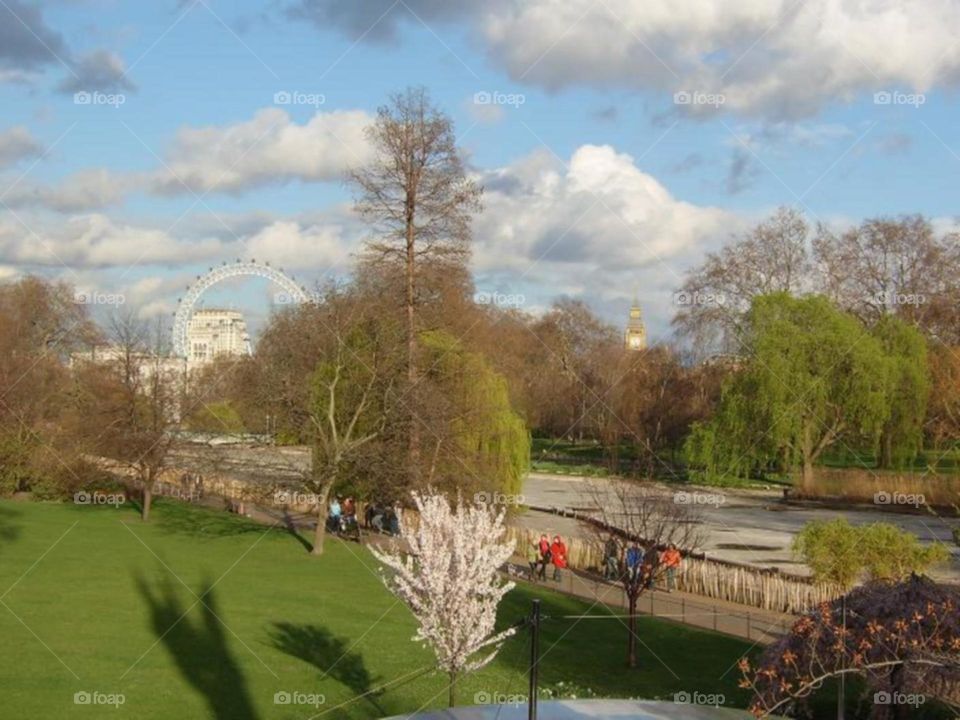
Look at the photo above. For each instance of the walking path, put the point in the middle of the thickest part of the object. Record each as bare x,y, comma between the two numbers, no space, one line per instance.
748,623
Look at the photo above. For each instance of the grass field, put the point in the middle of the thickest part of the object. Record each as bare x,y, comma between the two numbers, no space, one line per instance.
98,602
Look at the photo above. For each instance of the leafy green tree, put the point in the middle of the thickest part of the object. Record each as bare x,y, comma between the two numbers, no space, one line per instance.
811,374
908,389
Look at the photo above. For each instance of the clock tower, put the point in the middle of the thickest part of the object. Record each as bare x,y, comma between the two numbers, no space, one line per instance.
635,336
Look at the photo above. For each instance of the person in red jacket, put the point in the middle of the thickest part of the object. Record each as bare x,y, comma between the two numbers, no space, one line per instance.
544,556
558,553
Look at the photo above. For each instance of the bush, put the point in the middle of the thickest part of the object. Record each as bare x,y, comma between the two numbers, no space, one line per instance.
840,554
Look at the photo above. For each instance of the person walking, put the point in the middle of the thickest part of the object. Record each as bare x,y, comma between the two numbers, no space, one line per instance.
544,556
651,563
634,559
611,559
671,563
533,558
558,554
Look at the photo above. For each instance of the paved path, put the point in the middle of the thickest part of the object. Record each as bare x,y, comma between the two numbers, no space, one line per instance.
748,623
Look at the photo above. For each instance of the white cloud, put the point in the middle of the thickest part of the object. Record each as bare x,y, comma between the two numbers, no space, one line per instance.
268,149
85,190
772,58
95,241
599,226
292,244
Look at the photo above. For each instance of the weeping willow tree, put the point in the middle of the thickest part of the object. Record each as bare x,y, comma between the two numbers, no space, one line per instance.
811,375
475,439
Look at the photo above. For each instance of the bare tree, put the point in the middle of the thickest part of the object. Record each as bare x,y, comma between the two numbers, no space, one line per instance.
129,401
647,514
771,257
893,266
418,199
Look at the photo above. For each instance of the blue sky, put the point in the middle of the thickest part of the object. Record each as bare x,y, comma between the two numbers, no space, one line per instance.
600,183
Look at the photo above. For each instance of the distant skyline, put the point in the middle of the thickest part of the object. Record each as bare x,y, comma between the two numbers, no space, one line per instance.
618,142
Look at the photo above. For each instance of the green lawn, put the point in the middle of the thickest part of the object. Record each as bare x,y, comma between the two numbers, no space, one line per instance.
95,597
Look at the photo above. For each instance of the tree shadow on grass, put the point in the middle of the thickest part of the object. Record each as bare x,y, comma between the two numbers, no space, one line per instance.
199,649
9,530
329,654
179,517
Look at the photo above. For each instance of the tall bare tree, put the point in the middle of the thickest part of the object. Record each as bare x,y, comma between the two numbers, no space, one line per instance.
417,197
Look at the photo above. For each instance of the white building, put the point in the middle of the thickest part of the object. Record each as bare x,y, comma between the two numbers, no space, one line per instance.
212,333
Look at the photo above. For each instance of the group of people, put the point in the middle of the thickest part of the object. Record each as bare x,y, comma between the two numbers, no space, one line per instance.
382,518
341,514
641,564
542,553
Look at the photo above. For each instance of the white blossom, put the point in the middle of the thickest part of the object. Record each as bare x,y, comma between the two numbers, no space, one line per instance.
449,578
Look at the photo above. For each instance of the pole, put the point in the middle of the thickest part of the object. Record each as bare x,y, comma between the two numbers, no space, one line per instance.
534,660
841,699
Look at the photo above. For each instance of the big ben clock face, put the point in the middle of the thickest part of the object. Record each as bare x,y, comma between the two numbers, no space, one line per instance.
634,341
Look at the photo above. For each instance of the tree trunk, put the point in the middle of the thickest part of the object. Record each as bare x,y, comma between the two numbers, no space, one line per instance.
806,480
321,529
414,437
147,499
632,630
886,449
452,696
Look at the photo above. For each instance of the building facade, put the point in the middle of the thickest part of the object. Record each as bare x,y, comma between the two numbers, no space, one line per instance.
213,333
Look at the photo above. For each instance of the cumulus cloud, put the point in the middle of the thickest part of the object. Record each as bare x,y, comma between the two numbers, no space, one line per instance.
773,58
293,244
599,224
16,144
99,70
268,149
